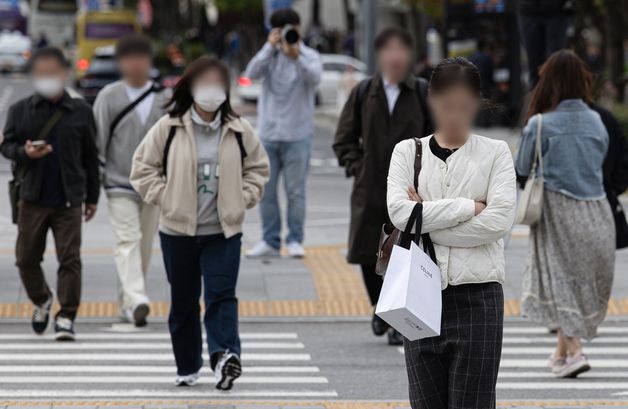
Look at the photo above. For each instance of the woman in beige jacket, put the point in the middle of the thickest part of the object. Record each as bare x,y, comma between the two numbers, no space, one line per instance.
203,166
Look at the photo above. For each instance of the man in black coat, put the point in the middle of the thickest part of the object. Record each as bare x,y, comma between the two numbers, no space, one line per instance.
51,139
543,26
380,112
615,171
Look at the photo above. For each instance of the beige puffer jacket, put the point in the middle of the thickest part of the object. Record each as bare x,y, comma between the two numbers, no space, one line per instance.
240,184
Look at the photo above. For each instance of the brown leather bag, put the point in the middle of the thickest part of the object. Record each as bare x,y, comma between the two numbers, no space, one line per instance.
391,236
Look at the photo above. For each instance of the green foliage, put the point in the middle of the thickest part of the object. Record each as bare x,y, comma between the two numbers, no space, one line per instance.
432,8
621,113
239,6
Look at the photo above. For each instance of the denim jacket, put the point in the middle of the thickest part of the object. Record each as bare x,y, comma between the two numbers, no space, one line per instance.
574,142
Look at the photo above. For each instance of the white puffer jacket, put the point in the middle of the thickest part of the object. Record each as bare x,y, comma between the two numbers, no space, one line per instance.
469,248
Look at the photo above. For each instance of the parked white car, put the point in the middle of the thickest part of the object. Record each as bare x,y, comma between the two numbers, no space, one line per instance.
15,51
339,71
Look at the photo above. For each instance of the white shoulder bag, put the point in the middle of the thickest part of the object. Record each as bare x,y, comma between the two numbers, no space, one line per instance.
531,199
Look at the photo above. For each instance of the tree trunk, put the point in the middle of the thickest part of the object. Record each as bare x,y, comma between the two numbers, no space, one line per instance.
615,20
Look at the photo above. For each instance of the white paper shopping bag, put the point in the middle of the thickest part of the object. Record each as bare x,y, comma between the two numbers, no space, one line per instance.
410,300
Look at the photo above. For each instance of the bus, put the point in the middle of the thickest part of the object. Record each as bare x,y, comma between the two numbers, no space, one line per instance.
97,29
55,19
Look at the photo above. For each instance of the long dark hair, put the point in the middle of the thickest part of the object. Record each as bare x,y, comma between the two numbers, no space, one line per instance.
563,76
182,99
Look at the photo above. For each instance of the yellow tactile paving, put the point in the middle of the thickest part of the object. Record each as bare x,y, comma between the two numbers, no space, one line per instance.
338,285
337,404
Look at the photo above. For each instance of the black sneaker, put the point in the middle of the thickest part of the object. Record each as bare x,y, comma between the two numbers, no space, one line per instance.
379,326
41,316
140,312
64,329
227,370
394,337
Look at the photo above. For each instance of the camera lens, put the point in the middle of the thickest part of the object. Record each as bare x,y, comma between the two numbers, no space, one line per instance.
290,34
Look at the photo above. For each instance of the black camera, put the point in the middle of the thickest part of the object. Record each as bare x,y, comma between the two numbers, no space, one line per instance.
290,34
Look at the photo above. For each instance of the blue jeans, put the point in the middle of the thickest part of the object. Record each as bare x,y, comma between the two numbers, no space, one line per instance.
292,160
215,260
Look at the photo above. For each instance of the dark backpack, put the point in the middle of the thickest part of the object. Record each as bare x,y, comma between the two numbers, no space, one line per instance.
421,94
172,133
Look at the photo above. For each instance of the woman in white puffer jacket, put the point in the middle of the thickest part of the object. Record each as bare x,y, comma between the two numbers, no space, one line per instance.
467,189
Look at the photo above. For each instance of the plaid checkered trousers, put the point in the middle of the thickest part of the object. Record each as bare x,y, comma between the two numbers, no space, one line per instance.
458,369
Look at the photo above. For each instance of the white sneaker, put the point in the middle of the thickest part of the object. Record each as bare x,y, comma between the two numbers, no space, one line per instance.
263,249
555,363
41,316
186,380
64,329
295,250
573,366
227,370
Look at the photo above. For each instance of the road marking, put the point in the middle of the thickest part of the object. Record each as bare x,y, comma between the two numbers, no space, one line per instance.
541,350
568,384
547,374
134,380
541,330
552,340
542,363
103,336
39,346
168,357
7,369
174,393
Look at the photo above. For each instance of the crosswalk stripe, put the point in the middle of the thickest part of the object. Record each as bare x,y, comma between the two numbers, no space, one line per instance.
37,346
541,350
75,357
547,374
541,330
138,336
176,393
570,384
552,340
101,369
153,379
542,363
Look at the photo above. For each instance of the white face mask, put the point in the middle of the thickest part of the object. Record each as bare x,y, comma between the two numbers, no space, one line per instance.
209,97
48,87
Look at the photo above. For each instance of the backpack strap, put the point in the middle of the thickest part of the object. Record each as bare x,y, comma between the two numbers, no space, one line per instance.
171,134
243,153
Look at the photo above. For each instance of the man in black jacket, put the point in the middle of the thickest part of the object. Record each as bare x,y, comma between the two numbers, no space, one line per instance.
51,139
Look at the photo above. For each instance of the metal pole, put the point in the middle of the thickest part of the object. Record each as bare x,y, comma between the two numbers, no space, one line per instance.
368,27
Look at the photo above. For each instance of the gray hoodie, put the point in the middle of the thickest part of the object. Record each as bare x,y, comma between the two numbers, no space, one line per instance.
126,137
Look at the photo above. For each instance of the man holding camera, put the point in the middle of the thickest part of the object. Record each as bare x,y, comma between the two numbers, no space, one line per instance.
291,72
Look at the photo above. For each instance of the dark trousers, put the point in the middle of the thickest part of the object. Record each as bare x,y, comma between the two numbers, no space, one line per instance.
542,35
192,263
458,369
33,224
372,281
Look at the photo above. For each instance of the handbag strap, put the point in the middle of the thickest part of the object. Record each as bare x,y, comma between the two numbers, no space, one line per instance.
538,150
417,162
428,245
